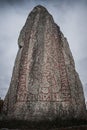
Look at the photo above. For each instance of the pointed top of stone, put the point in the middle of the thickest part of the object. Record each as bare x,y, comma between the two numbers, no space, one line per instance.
39,8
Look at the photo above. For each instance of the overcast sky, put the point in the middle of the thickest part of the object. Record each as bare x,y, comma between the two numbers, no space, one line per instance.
70,15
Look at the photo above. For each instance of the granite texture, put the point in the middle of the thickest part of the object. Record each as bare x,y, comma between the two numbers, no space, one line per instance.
44,84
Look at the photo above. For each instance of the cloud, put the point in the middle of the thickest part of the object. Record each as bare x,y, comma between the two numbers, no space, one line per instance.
69,15
82,67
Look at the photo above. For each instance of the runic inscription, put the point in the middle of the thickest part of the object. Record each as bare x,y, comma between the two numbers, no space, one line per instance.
44,82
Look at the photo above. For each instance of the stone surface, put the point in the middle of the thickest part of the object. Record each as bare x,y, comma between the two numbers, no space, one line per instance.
68,128
1,105
44,84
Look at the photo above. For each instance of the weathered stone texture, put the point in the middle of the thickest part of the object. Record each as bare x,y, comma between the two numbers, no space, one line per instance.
1,105
44,83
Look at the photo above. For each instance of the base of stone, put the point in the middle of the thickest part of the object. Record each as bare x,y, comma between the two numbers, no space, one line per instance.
73,124
66,128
